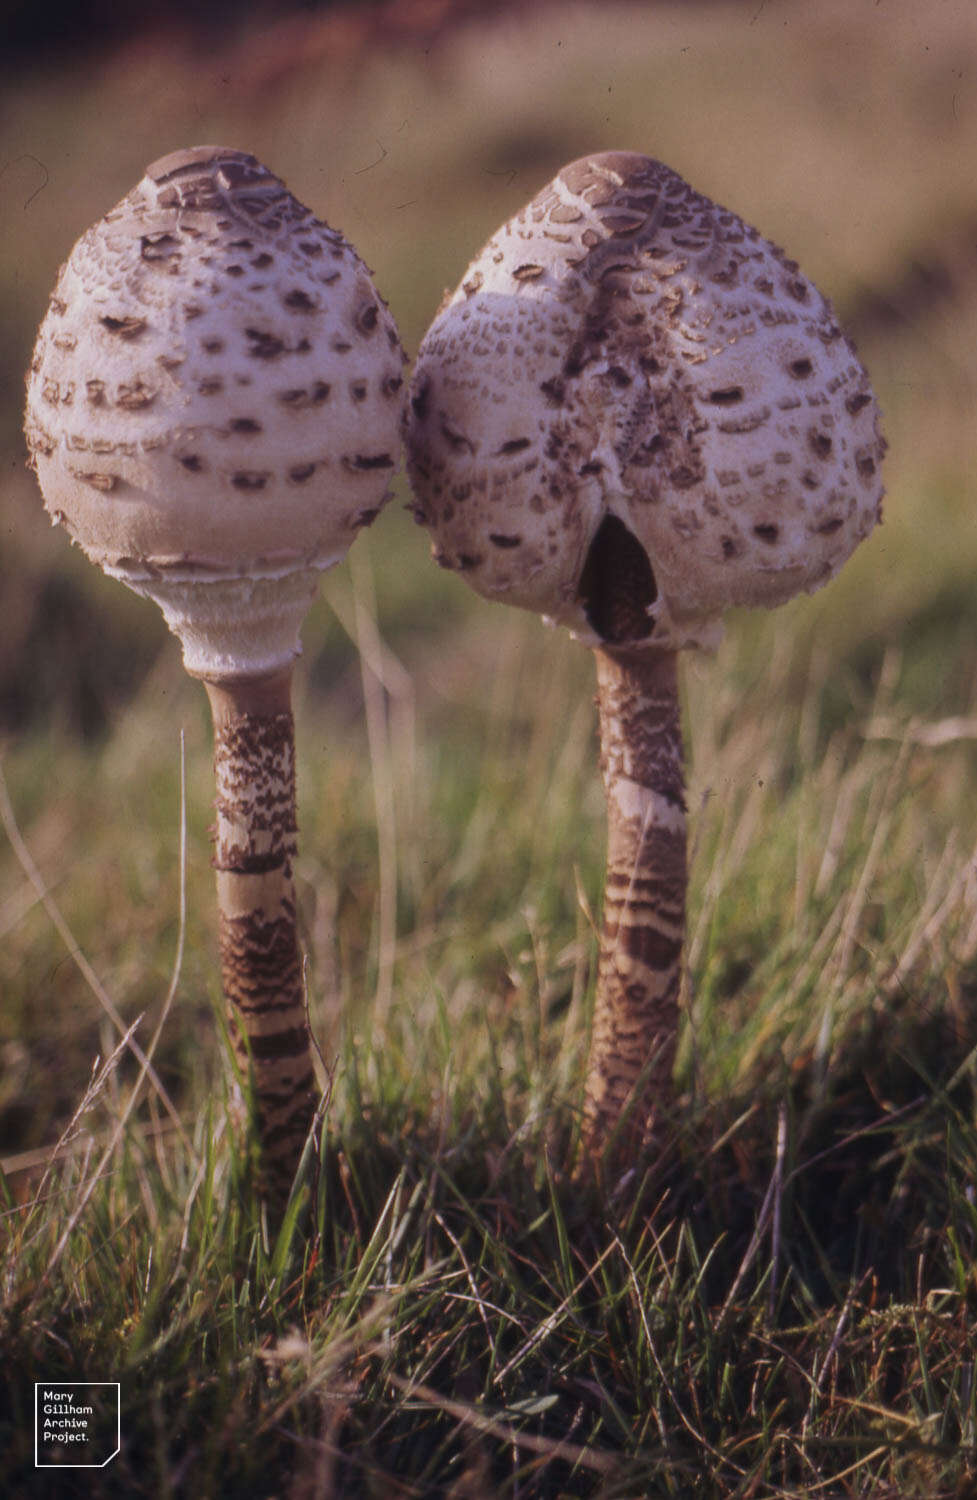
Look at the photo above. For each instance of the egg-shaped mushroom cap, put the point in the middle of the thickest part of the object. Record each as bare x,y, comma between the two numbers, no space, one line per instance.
215,398
636,412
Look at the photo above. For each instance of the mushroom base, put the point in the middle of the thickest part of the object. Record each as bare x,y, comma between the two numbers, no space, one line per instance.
632,1047
255,843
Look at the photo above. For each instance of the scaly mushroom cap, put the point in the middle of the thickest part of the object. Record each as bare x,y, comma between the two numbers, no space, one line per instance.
635,412
214,404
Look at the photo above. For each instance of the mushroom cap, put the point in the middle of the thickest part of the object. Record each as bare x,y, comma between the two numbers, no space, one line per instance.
636,412
214,403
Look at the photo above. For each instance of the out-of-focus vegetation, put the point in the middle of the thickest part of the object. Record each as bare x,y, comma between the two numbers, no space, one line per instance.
796,1313
845,132
57,27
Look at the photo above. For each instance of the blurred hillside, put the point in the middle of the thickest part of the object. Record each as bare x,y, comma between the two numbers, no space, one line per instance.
70,26
847,131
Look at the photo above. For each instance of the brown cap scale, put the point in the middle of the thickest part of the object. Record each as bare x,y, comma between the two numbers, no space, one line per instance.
634,413
213,412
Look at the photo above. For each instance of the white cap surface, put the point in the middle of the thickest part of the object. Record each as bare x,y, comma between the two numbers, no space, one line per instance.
214,403
635,412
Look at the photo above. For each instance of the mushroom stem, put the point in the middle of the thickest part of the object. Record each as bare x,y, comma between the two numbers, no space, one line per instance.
640,967
255,842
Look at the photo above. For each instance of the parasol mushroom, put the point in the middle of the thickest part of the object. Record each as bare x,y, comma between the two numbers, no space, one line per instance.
213,413
634,413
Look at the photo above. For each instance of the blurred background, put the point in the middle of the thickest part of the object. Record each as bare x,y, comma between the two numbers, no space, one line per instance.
846,130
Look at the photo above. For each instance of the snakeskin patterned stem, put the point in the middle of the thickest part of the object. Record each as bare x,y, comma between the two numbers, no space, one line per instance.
640,967
261,969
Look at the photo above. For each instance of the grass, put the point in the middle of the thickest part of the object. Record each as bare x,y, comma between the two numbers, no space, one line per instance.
783,1303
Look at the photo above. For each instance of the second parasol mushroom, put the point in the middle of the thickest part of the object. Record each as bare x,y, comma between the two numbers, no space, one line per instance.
213,412
634,413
